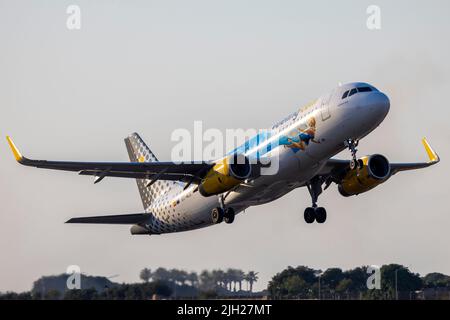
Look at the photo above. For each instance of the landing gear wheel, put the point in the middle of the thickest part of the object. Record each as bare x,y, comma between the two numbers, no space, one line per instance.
321,215
353,164
229,215
309,215
217,215
356,164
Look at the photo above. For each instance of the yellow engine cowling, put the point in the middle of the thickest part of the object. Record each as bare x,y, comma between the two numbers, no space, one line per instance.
226,174
374,170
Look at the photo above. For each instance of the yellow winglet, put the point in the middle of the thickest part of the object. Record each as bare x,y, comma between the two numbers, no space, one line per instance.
14,149
431,154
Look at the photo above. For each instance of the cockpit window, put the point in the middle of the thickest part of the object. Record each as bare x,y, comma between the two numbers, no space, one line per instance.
352,92
349,93
345,94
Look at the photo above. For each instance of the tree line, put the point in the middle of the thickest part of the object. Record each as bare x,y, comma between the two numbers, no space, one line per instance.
231,279
164,283
302,282
122,291
396,282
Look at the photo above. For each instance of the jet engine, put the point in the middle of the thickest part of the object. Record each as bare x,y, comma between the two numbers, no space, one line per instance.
373,170
225,175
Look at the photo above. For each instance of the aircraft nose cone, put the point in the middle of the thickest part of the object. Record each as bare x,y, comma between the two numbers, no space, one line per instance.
379,105
383,103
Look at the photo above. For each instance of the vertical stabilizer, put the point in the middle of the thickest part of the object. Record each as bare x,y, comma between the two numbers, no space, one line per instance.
138,151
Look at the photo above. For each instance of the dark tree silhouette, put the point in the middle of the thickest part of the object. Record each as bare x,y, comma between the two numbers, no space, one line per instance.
251,277
145,275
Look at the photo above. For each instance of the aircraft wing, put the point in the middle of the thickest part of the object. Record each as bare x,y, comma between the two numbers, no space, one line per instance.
186,171
432,155
335,168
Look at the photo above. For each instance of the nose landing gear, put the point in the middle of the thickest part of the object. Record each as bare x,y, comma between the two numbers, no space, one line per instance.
351,144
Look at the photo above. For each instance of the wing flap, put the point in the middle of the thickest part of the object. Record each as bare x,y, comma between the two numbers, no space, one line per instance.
140,175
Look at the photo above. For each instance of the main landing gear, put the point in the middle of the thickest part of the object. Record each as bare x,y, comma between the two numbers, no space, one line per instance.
221,213
315,213
319,214
218,215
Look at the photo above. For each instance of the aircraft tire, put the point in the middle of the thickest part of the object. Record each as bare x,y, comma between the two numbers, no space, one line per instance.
217,215
229,215
321,215
309,215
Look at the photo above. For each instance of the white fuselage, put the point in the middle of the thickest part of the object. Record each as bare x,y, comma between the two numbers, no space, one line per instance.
337,119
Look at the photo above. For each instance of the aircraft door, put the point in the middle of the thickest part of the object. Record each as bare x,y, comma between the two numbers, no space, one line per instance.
325,107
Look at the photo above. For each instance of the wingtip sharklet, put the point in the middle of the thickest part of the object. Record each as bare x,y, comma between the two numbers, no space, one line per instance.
14,149
432,155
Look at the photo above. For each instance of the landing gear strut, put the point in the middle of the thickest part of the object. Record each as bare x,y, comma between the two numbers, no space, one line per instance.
315,213
351,144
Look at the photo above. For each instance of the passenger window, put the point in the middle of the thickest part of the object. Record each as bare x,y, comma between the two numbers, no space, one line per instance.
345,94
364,89
352,92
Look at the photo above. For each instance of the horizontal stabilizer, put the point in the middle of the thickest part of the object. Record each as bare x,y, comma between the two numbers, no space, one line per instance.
115,219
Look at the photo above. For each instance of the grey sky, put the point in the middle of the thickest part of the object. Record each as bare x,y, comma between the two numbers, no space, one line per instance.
154,66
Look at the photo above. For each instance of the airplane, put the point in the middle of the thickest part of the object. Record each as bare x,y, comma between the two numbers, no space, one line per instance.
191,195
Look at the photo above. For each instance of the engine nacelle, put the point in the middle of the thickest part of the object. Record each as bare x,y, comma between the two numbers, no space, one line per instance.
225,175
374,170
